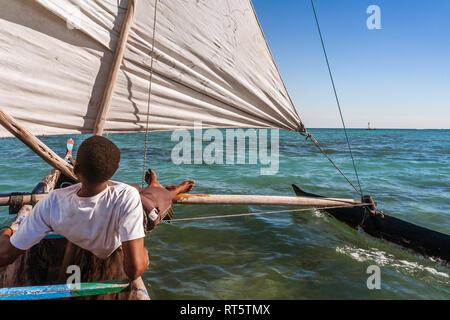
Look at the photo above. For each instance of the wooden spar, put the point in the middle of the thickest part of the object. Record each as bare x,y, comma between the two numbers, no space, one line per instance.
232,199
48,183
114,72
262,200
28,198
42,150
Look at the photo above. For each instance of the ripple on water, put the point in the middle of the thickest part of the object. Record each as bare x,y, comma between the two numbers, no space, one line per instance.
304,255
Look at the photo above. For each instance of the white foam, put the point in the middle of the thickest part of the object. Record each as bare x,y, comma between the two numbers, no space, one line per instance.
382,258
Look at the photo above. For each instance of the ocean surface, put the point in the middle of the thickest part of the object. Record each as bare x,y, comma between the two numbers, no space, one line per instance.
303,255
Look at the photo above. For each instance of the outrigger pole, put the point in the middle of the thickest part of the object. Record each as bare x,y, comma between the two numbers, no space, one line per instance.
217,199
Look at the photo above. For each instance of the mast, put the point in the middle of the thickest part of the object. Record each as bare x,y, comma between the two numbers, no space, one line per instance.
112,78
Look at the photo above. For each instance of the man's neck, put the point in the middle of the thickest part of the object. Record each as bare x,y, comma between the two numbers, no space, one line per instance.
90,190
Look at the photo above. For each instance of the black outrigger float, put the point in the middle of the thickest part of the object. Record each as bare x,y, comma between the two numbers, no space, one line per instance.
380,225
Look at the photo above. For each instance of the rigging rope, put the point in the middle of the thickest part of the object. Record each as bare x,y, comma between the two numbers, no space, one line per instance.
338,104
149,95
262,213
316,143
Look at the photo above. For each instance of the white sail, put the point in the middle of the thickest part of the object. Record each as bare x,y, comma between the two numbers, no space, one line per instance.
211,64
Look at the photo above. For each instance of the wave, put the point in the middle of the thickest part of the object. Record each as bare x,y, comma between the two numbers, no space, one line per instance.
384,259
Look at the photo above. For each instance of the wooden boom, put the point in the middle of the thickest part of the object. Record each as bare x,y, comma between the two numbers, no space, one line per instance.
40,148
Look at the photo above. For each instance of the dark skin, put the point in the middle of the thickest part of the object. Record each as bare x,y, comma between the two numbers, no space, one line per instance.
184,187
8,253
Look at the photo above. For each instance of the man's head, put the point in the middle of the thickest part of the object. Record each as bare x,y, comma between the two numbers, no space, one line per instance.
97,160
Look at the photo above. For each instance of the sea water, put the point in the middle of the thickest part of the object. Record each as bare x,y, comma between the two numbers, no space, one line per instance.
297,255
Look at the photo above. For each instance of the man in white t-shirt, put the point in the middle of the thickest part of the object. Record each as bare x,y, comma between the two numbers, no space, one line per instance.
97,215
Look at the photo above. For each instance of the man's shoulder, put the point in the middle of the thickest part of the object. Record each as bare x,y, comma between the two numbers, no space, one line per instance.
62,192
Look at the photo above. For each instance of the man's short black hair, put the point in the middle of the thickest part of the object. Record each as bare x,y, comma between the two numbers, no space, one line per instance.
97,159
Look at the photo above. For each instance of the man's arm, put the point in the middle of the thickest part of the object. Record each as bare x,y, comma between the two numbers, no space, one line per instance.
131,231
135,258
33,227
8,253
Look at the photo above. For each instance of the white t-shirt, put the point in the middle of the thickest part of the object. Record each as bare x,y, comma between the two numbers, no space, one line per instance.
99,224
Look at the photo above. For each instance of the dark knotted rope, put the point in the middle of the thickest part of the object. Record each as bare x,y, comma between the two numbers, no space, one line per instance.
15,202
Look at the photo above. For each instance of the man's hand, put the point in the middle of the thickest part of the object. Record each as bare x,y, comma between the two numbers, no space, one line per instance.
135,258
8,253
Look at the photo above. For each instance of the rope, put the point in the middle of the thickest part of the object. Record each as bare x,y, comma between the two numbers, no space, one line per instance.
15,202
149,95
262,213
337,98
316,143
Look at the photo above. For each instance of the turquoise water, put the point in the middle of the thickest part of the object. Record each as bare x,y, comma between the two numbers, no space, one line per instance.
305,255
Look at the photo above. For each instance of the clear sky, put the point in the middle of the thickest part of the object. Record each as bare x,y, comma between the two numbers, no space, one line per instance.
395,77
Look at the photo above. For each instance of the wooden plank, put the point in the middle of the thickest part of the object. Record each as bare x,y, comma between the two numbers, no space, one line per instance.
114,72
42,150
63,290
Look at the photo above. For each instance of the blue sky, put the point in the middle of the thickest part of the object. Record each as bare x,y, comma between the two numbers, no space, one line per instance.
396,77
